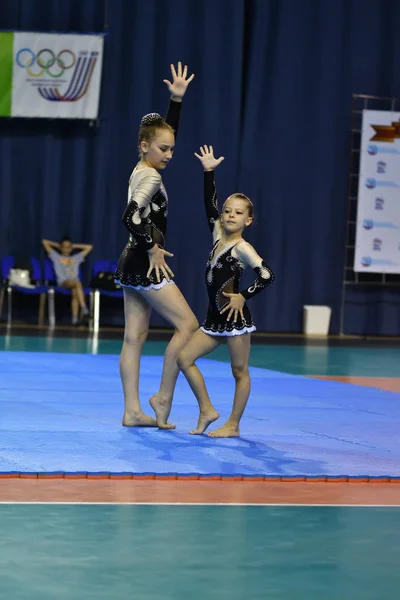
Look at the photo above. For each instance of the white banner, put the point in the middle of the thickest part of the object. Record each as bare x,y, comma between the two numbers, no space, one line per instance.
378,215
56,75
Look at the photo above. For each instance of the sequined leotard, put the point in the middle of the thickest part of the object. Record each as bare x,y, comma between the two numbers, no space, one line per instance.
146,220
225,267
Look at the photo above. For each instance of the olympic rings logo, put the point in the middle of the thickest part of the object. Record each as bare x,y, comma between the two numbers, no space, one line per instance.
54,65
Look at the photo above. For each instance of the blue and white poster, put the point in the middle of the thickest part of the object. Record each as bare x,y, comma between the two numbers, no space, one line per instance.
377,245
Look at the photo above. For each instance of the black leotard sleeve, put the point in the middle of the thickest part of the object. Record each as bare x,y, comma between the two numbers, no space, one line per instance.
210,199
250,258
173,116
145,184
264,278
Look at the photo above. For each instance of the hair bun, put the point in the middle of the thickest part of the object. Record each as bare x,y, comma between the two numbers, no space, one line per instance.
151,119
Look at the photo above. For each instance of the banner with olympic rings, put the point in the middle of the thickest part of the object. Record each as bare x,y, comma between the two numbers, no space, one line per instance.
50,75
377,244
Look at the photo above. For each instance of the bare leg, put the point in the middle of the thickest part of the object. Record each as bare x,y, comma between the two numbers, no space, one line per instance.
81,296
74,306
137,316
239,349
77,294
170,304
199,345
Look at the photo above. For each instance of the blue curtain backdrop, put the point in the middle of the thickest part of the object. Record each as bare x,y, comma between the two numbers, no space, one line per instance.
272,93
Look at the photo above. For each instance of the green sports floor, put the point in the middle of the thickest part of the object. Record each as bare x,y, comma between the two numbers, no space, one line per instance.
94,552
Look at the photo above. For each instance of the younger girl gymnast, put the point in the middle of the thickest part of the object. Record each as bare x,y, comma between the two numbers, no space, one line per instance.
228,314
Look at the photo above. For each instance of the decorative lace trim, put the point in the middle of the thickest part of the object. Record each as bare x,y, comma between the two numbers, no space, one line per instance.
230,333
152,286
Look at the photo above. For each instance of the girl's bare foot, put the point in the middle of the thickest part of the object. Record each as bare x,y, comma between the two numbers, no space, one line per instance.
225,431
138,420
162,409
205,419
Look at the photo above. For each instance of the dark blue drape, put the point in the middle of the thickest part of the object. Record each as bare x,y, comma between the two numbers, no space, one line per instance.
272,93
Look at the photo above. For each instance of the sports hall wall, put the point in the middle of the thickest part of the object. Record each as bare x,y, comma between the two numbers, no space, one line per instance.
272,93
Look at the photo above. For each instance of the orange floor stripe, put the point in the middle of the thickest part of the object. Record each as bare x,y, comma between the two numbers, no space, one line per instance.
389,384
214,492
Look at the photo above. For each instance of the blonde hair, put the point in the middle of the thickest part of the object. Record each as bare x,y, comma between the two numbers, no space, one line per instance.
149,126
240,196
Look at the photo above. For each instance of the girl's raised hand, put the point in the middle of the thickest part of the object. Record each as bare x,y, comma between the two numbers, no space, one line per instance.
180,81
207,158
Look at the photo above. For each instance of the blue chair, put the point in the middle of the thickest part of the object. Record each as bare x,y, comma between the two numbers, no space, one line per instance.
53,289
106,266
7,263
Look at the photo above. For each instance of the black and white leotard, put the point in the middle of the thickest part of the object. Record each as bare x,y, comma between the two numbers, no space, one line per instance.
225,267
145,217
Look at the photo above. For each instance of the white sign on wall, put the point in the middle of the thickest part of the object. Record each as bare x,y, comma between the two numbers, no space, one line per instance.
50,75
378,212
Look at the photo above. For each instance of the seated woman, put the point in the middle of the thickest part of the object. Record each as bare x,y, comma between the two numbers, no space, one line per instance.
66,267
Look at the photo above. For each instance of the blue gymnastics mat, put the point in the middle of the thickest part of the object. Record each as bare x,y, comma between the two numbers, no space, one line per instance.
61,413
